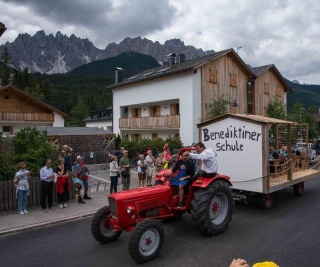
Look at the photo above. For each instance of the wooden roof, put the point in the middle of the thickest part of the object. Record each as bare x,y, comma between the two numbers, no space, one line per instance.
258,71
39,102
189,65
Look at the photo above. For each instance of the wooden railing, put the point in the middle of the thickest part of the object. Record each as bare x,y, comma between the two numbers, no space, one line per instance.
168,121
21,116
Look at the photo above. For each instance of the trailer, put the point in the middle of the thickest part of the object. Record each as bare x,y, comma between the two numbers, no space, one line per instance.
242,144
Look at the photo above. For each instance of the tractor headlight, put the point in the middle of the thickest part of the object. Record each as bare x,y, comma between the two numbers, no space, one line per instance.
130,210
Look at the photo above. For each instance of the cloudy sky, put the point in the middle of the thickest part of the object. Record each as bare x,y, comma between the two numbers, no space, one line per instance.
283,32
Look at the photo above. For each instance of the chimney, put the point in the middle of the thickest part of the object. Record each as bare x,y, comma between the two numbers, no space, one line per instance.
172,59
181,58
118,75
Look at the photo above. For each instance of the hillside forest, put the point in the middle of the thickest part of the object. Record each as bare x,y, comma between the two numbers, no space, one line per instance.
84,89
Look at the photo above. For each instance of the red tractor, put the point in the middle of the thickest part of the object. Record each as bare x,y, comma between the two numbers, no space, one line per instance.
209,200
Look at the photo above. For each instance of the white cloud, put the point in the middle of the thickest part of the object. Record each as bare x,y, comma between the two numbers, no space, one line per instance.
285,33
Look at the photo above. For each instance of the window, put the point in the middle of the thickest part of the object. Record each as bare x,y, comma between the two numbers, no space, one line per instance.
154,136
213,76
174,109
233,80
125,111
177,136
154,111
136,112
278,90
266,88
250,97
136,137
7,129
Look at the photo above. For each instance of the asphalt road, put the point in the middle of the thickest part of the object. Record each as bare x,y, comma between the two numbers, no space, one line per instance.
287,234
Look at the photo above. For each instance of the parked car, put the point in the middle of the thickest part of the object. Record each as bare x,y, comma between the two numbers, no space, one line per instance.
303,147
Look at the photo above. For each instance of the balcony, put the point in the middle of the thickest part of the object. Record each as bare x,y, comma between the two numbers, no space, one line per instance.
21,116
168,121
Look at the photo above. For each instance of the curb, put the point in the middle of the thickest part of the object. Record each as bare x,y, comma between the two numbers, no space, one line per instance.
37,225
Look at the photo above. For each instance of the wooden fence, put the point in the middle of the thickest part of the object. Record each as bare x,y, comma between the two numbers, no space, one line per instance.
8,194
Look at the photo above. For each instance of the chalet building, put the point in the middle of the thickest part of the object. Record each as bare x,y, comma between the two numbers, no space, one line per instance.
101,119
169,101
19,110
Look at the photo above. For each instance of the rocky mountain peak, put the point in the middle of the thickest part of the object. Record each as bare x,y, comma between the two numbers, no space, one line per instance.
60,53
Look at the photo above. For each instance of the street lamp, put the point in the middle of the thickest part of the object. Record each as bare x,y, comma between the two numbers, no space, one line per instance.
2,28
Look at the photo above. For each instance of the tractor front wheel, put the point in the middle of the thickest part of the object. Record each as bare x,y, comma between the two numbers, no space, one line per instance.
146,240
101,227
212,208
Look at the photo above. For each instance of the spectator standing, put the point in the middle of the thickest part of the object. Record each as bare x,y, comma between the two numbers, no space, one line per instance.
166,152
141,171
160,162
125,170
150,163
79,170
22,184
63,184
47,177
114,174
67,162
119,155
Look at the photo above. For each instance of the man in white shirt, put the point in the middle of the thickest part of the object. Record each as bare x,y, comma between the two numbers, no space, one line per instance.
47,175
208,157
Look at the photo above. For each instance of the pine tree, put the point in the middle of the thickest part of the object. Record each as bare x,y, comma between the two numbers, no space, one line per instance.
78,114
5,61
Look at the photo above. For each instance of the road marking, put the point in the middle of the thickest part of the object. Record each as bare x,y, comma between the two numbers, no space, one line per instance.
99,178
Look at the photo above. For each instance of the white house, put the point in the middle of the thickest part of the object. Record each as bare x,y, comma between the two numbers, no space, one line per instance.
169,101
101,119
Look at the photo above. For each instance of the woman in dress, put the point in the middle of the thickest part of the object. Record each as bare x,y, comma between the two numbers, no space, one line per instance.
63,184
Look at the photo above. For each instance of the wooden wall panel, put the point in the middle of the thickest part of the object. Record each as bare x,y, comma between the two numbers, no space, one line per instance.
18,103
224,66
262,99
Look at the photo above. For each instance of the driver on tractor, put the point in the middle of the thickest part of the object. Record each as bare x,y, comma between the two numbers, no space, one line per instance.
186,171
208,157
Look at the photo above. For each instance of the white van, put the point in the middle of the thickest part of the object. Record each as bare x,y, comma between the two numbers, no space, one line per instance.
302,147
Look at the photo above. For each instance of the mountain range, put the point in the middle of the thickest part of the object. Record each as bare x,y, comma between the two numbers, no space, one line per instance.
49,54
59,54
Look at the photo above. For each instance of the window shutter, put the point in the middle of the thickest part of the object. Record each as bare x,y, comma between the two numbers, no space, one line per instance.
132,113
158,110
172,109
139,112
150,112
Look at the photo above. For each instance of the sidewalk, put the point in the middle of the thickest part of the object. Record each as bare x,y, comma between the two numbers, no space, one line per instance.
12,222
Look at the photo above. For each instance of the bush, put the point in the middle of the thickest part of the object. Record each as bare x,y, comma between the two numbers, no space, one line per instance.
31,146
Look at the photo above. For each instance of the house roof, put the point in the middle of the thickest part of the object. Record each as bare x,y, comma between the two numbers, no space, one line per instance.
258,71
39,102
189,65
248,117
54,131
100,115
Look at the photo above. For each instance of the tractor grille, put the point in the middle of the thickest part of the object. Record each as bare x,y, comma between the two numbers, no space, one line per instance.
113,207
148,204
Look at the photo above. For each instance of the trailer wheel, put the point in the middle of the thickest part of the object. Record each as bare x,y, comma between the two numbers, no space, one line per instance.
298,189
212,208
146,240
266,201
101,227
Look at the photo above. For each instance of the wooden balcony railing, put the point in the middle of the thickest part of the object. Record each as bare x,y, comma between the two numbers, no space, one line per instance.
168,121
20,116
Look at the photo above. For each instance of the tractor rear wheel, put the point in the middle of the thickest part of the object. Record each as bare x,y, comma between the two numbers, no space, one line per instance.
212,208
146,240
101,227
